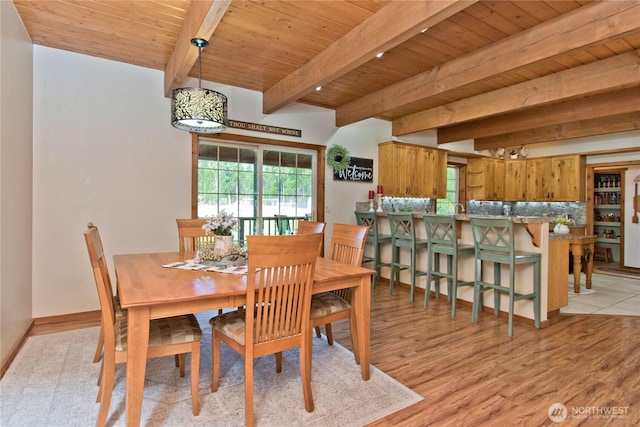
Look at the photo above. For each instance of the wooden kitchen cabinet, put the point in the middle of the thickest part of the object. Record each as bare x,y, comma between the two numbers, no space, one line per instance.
556,179
568,177
485,179
408,170
515,180
434,173
538,178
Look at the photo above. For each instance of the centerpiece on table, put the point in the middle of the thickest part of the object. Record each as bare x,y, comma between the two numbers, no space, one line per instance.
562,225
221,227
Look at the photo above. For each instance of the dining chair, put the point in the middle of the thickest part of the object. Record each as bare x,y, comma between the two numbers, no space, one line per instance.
118,311
191,233
306,227
280,281
282,224
494,241
347,246
176,335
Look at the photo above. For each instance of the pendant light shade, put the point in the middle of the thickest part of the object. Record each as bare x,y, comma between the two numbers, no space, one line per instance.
197,109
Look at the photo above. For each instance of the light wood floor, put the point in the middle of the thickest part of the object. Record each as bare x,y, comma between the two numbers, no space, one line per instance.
475,375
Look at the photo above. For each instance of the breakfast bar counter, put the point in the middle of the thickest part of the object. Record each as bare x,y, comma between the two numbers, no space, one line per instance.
531,234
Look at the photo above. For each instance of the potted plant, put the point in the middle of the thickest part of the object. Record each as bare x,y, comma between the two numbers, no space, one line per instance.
562,225
221,227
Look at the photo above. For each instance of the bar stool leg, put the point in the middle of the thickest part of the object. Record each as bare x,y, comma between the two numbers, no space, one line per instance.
536,290
395,271
477,292
429,278
413,274
496,294
512,284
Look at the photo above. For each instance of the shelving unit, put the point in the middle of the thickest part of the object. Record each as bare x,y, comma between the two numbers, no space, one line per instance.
608,210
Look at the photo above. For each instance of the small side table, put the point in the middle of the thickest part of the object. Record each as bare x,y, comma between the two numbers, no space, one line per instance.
579,246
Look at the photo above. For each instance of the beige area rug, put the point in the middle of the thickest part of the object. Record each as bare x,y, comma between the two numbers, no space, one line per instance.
52,382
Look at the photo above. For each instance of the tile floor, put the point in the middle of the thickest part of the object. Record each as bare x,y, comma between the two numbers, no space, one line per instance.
613,295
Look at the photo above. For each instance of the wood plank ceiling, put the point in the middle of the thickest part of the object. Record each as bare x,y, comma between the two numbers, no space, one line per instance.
505,73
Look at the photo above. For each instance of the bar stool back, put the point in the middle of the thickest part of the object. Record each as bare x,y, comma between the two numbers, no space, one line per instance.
403,235
442,235
494,242
375,238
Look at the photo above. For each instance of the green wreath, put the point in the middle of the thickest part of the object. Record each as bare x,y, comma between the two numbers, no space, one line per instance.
338,158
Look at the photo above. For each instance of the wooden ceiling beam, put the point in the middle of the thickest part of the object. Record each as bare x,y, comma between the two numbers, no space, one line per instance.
583,27
201,21
592,107
580,128
390,26
617,72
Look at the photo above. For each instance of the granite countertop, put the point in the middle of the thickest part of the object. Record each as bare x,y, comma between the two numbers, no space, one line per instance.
518,219
569,236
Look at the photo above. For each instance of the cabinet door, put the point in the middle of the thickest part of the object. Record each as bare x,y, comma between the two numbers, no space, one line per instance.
434,176
538,175
438,174
515,176
567,178
409,171
386,168
494,179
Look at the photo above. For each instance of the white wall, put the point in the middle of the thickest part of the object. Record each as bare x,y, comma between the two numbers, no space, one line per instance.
16,146
104,151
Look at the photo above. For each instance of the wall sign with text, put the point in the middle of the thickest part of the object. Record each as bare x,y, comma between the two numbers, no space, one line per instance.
360,170
237,124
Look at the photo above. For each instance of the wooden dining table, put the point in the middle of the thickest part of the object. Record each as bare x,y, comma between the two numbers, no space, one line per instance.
149,291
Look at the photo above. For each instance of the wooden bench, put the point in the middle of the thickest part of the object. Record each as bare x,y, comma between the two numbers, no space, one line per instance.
603,253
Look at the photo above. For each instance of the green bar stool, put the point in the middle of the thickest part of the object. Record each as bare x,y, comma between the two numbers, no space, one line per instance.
376,239
442,235
403,236
493,240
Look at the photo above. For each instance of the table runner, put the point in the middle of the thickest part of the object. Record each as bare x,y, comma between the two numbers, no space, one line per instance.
192,265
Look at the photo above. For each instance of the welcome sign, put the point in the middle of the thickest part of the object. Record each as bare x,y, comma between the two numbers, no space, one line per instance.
360,170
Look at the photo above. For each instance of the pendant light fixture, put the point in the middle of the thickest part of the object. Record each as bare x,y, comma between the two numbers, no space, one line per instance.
197,109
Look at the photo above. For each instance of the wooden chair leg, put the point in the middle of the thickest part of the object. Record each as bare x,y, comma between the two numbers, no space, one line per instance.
318,334
96,357
100,375
328,330
305,375
180,361
354,338
215,355
248,391
106,388
279,362
195,375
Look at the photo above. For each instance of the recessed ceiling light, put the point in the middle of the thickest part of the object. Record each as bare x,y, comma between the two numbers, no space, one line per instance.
318,89
379,54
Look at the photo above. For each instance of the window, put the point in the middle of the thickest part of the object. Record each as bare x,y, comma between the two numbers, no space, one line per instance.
256,184
447,206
